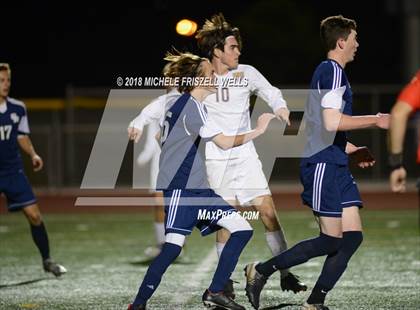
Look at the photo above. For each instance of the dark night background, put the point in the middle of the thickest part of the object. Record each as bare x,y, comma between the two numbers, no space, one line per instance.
91,45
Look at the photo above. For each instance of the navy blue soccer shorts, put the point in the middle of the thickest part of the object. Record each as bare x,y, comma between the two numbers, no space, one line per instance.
201,208
17,190
328,188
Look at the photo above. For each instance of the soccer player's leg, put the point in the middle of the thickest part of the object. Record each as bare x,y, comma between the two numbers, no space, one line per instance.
20,197
159,227
179,222
240,233
322,195
221,179
255,192
336,263
276,240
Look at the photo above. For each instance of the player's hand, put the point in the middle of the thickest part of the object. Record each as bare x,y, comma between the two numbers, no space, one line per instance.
263,121
134,134
383,120
283,115
37,162
397,180
362,157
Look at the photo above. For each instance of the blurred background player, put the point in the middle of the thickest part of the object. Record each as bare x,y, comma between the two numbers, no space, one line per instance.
329,188
151,116
407,103
230,171
14,132
183,179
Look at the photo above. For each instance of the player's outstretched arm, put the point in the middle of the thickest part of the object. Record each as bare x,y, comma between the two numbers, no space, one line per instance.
227,142
270,94
153,112
334,120
26,145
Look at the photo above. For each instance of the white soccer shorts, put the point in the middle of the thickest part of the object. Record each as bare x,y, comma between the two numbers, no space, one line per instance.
239,179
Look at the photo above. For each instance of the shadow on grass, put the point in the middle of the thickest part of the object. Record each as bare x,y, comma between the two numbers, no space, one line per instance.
280,306
25,282
148,261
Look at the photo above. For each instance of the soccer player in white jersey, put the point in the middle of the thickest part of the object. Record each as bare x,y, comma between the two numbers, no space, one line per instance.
229,171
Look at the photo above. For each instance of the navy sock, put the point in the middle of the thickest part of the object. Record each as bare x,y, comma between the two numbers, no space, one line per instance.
40,237
229,259
318,295
155,272
335,265
300,253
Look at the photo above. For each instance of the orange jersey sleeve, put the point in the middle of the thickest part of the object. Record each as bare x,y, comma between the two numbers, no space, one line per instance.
411,93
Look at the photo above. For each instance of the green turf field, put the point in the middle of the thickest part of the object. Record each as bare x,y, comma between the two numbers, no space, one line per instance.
103,255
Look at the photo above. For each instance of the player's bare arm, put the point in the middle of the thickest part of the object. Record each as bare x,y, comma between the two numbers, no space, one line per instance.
398,125
283,115
334,120
26,145
227,142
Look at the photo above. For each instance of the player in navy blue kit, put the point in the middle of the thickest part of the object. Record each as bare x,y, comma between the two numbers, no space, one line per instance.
329,188
14,131
183,179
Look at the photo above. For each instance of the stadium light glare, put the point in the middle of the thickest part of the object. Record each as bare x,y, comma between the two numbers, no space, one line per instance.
186,27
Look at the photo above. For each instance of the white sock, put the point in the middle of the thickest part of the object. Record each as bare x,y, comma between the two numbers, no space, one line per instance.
159,233
219,248
277,244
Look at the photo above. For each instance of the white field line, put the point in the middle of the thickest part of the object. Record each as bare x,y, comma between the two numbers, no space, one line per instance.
195,277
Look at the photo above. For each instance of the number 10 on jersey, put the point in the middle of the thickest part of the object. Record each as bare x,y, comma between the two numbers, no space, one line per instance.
222,94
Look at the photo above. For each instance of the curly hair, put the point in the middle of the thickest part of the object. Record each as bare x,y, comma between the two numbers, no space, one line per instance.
214,33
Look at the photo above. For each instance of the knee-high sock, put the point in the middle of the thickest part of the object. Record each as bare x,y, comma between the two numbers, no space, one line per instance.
229,258
155,272
300,253
277,243
40,237
335,265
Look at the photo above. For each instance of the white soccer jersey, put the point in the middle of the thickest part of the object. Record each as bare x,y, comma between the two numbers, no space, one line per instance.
228,109
154,111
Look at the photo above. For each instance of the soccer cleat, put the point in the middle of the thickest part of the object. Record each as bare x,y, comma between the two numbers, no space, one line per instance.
54,268
220,301
140,307
292,283
307,306
254,284
229,290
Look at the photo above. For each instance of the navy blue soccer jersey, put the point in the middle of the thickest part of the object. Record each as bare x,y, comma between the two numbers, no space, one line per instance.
329,89
183,136
13,122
